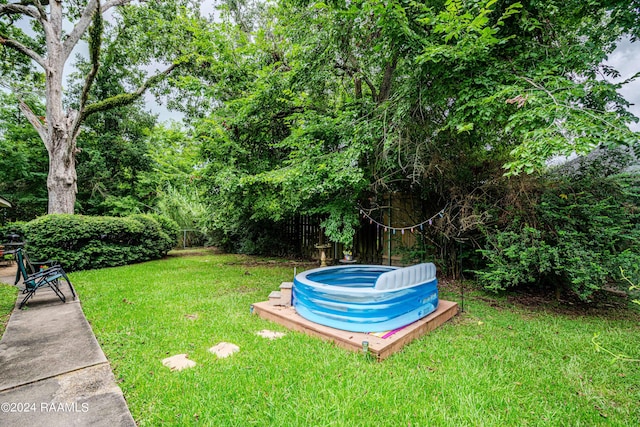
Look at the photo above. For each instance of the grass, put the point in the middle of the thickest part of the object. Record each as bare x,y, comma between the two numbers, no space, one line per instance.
8,295
497,364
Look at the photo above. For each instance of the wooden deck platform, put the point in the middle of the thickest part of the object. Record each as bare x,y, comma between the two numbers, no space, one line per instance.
380,348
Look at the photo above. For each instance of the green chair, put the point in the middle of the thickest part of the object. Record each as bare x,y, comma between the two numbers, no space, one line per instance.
34,266
46,278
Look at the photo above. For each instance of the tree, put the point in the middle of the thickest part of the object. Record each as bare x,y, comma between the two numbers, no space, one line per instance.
335,104
160,36
115,146
22,162
114,157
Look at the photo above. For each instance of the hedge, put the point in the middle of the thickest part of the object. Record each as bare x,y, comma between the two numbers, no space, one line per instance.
11,228
81,242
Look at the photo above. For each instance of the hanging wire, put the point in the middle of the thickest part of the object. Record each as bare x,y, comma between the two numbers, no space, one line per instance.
403,229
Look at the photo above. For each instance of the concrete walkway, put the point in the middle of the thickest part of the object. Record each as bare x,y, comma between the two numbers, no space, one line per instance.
52,369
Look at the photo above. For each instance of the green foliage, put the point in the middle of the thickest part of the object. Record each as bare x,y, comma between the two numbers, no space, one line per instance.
632,286
516,259
279,147
23,163
16,227
557,116
114,157
157,242
582,228
174,177
81,242
322,106
314,108
468,30
175,158
168,225
115,144
185,209
115,75
340,226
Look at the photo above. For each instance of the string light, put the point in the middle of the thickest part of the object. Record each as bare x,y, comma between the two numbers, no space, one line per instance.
402,229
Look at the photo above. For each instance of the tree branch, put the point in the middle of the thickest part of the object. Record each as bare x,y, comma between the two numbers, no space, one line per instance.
540,87
112,3
356,70
372,88
17,46
34,120
385,85
123,98
79,29
95,42
41,9
85,20
18,9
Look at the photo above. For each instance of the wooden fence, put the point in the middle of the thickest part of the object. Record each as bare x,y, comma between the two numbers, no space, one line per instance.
304,234
373,244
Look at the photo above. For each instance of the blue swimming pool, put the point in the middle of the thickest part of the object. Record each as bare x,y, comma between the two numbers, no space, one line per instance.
366,298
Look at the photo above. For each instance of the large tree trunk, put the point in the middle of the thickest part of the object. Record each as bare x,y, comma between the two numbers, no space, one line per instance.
60,139
62,179
61,132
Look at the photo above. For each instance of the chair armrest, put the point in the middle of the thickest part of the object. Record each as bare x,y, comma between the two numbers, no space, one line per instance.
48,264
45,273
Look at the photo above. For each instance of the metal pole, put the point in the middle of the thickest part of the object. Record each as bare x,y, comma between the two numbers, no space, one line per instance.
461,279
389,239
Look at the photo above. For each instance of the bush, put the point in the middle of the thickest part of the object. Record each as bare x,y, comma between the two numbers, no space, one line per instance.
169,226
582,229
86,242
16,227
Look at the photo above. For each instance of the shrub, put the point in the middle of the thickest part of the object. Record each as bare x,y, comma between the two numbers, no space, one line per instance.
16,227
85,242
585,227
169,226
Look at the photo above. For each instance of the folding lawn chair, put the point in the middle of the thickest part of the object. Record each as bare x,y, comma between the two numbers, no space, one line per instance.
35,266
49,277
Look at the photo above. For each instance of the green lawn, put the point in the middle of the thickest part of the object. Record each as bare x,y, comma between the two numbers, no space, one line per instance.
8,295
495,365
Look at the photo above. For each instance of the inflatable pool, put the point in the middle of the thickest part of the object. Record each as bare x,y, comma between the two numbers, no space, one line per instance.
366,298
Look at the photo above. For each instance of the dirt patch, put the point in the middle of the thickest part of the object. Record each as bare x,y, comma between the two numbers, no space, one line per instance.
603,304
271,263
209,250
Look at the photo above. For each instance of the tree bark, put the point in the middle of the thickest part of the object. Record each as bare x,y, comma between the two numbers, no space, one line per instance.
61,140
385,86
62,179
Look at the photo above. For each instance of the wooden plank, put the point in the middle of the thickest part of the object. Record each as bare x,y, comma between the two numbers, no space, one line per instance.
380,348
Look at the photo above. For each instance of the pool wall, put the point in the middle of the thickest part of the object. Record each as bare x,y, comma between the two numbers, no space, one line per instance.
366,298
